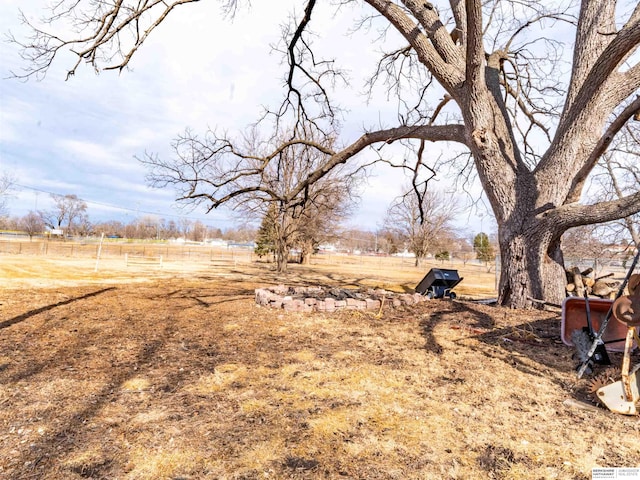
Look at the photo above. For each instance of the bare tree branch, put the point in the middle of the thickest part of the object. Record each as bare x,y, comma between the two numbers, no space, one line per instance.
447,75
601,147
114,34
474,77
631,227
574,214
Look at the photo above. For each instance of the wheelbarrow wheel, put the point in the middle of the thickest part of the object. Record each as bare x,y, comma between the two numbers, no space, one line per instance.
452,295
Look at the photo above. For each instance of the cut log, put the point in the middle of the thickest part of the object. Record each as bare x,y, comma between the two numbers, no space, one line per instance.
570,272
605,289
577,281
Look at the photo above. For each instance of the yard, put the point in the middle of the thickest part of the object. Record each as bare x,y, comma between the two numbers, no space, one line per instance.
174,372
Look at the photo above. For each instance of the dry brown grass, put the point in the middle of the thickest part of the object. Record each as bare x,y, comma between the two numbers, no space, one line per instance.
177,374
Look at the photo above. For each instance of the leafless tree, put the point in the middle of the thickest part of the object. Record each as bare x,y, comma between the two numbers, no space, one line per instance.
67,210
242,233
259,179
146,226
355,241
185,227
82,225
582,243
130,230
328,203
6,184
532,137
198,231
111,228
620,177
425,224
170,229
387,241
466,251
320,219
31,224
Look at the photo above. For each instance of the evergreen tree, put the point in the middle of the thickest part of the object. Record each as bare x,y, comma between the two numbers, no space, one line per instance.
266,237
484,249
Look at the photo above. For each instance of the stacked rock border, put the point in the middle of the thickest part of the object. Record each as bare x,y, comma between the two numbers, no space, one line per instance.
311,299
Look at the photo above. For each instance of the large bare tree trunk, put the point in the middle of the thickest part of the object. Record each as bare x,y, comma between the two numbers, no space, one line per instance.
532,263
282,257
306,248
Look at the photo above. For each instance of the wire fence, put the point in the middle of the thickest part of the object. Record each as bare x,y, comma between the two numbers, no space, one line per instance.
601,266
122,249
172,252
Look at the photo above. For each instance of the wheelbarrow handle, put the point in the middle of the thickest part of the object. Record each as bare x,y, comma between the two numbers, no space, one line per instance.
626,363
588,312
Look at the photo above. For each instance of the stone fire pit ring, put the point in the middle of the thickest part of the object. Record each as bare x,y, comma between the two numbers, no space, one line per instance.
320,299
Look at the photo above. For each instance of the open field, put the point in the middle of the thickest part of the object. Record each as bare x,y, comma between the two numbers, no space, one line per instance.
173,372
46,263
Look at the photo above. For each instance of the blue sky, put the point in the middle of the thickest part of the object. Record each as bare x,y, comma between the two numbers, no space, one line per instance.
199,71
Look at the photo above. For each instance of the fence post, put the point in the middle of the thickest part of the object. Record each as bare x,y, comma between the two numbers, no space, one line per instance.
99,251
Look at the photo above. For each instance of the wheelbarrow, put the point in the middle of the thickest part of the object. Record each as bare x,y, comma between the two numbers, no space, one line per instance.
439,283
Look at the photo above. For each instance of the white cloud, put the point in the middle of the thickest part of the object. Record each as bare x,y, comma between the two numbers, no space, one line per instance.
88,154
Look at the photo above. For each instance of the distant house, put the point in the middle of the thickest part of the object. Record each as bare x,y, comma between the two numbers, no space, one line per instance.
242,245
326,248
217,242
406,254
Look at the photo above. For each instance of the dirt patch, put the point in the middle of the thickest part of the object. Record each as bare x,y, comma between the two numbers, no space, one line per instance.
184,376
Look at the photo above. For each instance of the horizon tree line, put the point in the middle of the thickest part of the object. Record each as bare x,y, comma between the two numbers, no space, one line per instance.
401,231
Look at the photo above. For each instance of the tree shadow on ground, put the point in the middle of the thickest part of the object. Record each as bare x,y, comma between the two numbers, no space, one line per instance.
206,297
456,313
315,279
74,431
531,344
31,313
303,276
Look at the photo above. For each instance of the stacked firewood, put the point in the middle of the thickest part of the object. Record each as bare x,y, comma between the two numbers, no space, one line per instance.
579,282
